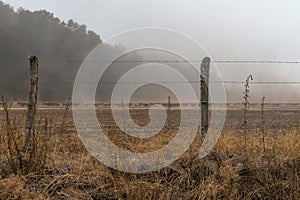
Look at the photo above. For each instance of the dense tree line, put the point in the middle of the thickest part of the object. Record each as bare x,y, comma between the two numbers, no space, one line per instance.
61,47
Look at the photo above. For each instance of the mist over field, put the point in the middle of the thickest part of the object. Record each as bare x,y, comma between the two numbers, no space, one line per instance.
62,38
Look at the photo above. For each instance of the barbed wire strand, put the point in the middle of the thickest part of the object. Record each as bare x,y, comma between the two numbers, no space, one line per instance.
182,61
161,61
177,82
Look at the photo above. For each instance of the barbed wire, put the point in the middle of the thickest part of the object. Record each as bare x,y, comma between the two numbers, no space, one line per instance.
177,82
259,82
255,62
183,61
161,61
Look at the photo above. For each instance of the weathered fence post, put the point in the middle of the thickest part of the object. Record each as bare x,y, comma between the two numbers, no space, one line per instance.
204,82
31,110
169,111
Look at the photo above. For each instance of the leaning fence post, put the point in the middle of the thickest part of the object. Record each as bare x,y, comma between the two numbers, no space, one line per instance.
31,110
204,82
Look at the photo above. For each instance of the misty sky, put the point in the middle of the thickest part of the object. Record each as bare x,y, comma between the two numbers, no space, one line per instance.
229,30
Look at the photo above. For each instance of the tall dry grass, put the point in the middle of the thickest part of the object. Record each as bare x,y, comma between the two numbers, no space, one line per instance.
61,168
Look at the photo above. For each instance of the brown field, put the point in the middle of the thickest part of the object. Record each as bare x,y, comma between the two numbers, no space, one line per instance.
59,167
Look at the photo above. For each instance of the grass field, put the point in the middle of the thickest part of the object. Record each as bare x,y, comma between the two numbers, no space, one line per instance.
59,167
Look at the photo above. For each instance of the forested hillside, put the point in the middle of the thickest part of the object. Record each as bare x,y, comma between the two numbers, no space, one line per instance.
60,46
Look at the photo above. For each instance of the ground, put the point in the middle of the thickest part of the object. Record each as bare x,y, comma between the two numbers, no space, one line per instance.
60,167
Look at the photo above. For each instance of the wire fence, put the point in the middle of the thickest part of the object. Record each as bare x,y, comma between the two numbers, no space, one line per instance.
283,117
165,82
222,62
160,61
181,61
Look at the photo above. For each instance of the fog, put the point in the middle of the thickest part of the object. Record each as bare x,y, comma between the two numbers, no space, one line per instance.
229,30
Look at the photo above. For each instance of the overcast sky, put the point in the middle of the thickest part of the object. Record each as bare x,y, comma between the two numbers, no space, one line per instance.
230,30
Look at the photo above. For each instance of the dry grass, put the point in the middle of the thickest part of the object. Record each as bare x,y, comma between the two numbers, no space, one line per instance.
61,168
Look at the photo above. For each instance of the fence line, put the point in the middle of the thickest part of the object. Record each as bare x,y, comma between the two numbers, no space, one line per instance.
165,61
184,61
178,82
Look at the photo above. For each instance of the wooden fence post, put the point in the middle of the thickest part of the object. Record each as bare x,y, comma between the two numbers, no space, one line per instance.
169,111
204,82
31,110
